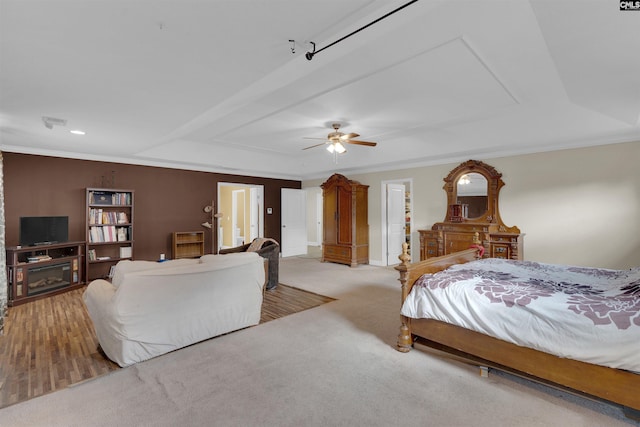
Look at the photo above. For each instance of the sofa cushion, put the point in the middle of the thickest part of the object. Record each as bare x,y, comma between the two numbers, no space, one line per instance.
229,259
130,266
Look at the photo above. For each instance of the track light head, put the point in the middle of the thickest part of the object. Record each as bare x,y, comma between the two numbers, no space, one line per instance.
309,55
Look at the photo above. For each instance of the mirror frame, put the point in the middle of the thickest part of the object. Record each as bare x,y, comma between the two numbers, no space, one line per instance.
494,184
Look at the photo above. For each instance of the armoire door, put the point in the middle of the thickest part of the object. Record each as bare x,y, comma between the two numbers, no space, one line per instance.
345,213
329,217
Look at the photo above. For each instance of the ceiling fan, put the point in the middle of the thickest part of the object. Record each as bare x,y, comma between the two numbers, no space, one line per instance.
335,140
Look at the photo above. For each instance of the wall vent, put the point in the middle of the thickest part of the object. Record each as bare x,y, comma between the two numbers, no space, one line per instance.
49,122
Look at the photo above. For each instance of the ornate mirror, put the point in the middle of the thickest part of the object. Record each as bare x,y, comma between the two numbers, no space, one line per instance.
473,190
472,193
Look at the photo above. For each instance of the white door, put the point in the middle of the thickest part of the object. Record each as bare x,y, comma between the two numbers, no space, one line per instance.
395,222
294,222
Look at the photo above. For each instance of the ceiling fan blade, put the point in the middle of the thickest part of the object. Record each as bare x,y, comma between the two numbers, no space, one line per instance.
308,137
317,145
367,143
349,136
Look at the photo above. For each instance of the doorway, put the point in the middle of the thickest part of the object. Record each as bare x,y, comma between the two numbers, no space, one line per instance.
396,218
241,206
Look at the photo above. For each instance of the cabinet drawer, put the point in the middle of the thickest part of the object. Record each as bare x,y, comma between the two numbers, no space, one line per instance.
337,253
499,250
431,248
455,242
338,250
503,238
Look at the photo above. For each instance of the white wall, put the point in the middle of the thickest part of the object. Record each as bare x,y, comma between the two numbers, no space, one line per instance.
578,207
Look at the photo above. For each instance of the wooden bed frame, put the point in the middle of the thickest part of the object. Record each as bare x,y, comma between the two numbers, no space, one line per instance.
614,385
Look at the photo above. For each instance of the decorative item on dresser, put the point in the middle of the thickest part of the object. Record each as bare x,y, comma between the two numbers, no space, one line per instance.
346,221
473,190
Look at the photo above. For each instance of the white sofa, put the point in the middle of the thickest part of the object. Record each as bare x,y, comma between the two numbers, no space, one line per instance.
152,308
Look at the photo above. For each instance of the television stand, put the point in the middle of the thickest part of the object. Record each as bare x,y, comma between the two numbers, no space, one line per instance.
40,271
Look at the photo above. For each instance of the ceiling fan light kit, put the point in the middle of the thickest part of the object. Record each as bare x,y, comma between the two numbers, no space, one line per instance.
336,140
336,147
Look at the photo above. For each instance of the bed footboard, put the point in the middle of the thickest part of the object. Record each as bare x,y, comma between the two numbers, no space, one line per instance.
409,273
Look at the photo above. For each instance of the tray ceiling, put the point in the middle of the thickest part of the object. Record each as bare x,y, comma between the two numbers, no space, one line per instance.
215,86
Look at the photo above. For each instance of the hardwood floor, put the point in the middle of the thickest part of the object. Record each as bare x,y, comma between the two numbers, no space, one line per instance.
50,343
285,300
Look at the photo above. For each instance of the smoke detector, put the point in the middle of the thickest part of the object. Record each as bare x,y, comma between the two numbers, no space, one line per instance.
49,122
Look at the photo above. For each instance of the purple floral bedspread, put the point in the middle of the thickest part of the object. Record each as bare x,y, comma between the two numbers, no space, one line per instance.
588,314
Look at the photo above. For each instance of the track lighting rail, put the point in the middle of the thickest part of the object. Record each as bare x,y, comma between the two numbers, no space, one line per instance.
310,55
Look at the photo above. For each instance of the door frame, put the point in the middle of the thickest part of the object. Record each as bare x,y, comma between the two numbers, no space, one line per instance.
235,214
227,210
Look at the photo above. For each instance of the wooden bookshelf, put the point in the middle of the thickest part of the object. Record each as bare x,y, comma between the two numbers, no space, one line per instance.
109,229
188,244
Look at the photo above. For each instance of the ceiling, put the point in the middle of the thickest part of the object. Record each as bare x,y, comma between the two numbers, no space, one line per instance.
217,85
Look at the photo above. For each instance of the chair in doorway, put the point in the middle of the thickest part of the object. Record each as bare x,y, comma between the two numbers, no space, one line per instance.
267,248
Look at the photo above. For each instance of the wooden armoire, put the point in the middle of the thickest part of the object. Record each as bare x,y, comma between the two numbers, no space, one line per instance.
346,221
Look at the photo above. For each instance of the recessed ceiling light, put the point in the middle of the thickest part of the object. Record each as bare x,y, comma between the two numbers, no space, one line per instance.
77,132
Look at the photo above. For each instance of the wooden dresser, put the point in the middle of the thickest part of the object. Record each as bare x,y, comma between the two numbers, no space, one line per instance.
444,238
346,221
472,187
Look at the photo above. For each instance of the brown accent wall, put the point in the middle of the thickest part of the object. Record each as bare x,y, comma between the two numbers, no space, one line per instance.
166,200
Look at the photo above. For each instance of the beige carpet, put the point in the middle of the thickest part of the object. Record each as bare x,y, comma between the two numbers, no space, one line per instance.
333,365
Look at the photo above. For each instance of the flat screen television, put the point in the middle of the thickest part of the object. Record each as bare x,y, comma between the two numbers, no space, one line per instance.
43,230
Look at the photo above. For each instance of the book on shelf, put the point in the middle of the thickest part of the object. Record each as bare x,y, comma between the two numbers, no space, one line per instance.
98,216
93,234
95,216
125,252
110,233
100,198
109,198
122,218
92,254
103,258
107,234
